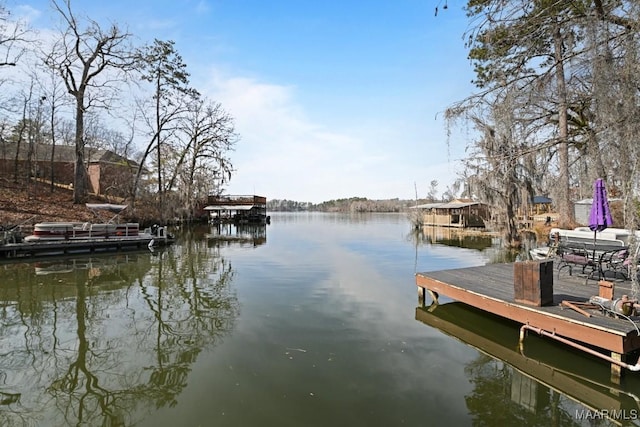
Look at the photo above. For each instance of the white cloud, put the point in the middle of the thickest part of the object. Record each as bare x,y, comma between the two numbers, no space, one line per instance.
203,7
283,153
27,13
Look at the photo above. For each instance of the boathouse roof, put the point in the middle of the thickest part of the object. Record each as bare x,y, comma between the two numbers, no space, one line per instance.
457,204
229,208
426,206
454,204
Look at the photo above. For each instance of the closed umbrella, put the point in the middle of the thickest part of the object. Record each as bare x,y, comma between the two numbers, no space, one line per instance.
600,215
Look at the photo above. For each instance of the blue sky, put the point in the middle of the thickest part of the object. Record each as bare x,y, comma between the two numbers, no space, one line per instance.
331,99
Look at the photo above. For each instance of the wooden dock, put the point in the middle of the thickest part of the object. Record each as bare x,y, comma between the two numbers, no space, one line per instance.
581,377
79,246
491,288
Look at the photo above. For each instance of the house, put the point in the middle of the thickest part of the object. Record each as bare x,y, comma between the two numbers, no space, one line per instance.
461,213
237,208
107,172
582,209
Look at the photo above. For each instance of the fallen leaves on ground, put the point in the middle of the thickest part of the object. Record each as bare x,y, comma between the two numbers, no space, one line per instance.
22,204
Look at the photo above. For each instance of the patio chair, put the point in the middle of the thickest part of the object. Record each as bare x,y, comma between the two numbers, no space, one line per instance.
576,256
611,264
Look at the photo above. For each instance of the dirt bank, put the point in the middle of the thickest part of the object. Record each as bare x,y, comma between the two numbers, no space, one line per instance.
28,204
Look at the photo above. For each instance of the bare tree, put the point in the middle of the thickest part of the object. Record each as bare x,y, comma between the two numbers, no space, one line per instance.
202,163
432,196
55,93
498,171
90,60
15,37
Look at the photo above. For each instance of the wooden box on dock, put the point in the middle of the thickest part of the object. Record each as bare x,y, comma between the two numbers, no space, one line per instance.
533,282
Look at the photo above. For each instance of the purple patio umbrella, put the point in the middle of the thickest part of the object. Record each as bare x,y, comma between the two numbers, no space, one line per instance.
600,215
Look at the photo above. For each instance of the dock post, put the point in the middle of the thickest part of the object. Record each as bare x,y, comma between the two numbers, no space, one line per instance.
421,296
434,296
616,369
523,334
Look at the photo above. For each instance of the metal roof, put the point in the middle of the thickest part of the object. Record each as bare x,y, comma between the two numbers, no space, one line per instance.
457,205
541,199
228,207
590,201
426,206
448,205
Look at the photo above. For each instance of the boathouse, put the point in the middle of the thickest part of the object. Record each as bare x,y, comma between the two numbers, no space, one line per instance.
461,213
237,208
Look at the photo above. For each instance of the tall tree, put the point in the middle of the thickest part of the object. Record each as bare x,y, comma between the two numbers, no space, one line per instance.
526,45
82,56
54,94
163,67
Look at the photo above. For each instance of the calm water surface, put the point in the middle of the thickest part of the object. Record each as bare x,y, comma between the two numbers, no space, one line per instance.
311,321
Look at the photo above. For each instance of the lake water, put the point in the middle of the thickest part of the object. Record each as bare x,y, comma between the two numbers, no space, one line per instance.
312,320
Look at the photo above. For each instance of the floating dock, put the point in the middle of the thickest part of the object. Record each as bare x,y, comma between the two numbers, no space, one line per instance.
579,376
491,288
77,246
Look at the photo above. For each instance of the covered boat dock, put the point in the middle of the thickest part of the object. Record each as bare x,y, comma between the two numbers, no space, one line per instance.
241,209
459,213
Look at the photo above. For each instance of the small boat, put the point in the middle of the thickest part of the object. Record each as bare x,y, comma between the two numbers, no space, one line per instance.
608,236
79,230
52,238
600,241
543,252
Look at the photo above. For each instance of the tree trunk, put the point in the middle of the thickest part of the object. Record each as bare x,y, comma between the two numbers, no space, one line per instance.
160,198
53,144
563,201
80,172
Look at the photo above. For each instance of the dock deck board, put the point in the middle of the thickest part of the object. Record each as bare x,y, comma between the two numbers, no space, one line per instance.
491,288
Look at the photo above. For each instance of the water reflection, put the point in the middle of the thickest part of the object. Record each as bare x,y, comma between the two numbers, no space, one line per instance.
483,241
545,382
338,217
237,234
455,237
106,340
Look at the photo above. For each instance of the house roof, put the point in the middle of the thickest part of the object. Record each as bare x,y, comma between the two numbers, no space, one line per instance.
62,154
541,200
590,201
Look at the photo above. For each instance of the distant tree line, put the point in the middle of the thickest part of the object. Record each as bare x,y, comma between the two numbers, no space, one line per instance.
89,85
352,205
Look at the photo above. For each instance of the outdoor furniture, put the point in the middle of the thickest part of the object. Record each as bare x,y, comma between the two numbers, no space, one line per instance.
611,264
573,255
